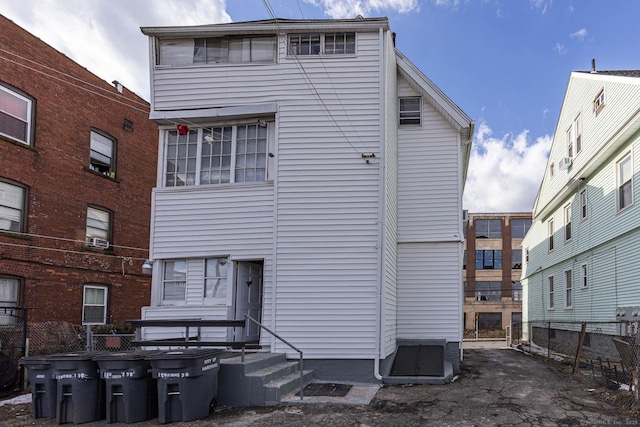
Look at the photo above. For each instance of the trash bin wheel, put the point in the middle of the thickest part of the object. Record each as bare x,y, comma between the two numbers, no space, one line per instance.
212,406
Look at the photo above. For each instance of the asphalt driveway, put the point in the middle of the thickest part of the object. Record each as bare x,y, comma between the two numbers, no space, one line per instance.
497,387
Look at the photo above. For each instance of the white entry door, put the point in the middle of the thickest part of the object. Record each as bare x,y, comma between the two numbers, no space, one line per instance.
248,291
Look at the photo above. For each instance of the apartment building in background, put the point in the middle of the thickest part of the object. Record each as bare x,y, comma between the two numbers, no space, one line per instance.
77,164
492,268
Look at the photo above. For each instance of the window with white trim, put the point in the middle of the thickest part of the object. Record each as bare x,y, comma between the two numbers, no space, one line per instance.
584,275
12,207
214,50
94,305
550,292
568,288
577,124
10,292
102,153
16,115
410,110
624,177
552,169
98,227
550,235
583,204
322,44
174,280
215,278
217,155
598,103
567,222
570,140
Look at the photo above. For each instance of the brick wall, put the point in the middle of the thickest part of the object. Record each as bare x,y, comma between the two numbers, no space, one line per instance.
51,257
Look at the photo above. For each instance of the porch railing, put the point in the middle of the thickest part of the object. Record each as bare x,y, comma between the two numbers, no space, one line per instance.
246,316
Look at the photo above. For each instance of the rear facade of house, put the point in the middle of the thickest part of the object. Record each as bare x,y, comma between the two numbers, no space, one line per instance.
310,177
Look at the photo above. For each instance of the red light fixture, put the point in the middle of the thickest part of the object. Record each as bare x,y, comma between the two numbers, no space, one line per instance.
182,129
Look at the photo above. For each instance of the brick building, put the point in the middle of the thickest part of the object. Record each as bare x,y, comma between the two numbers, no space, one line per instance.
492,268
77,164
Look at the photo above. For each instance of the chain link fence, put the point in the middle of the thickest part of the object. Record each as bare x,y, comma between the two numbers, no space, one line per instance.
607,353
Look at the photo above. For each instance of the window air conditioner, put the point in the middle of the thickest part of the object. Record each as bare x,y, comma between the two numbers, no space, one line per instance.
564,163
95,242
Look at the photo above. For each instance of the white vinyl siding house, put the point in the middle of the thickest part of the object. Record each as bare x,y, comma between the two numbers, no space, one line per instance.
347,225
599,184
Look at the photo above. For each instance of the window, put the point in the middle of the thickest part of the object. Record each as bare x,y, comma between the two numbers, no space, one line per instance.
488,291
490,320
12,207
598,103
94,305
570,137
213,50
552,170
550,234
488,228
488,260
174,280
16,116
98,227
583,204
526,255
215,279
10,292
410,110
584,277
568,288
217,155
550,291
625,182
567,222
464,260
516,258
102,154
519,227
516,291
577,124
319,44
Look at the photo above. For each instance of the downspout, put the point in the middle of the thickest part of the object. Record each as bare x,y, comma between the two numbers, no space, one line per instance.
381,207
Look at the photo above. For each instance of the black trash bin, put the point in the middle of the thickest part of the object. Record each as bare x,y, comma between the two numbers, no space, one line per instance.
131,391
79,388
43,386
187,383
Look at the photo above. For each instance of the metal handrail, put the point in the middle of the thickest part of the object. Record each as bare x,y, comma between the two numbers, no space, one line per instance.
246,316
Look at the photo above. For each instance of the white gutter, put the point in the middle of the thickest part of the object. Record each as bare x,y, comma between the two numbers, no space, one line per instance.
381,208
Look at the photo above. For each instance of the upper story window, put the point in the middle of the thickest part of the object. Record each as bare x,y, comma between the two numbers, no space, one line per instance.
570,141
488,260
624,177
488,228
550,235
217,155
410,110
516,258
584,275
213,50
322,44
16,116
567,222
94,305
577,125
598,103
568,289
102,154
174,280
552,169
520,227
550,292
516,291
583,204
488,291
12,207
215,278
98,227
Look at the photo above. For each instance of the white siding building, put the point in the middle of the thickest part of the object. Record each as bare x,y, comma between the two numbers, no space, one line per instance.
310,176
582,249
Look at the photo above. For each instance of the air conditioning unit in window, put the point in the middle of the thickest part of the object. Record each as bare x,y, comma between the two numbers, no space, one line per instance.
564,163
94,242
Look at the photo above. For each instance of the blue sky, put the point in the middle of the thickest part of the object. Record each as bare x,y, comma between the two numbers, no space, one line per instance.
506,63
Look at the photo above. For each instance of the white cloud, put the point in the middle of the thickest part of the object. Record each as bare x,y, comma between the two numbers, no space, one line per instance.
560,48
104,35
541,4
341,9
504,173
580,34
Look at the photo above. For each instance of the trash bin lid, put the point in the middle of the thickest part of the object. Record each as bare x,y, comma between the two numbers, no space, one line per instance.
86,355
125,355
187,353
